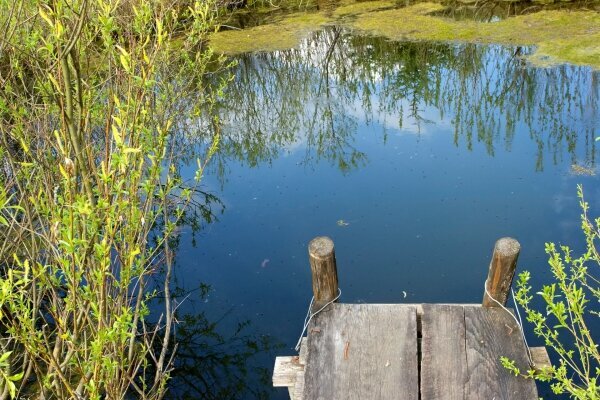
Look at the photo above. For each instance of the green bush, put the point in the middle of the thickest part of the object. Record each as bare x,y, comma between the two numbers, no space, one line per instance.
571,303
93,93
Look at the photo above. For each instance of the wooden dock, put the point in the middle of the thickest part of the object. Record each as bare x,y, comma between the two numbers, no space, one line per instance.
409,352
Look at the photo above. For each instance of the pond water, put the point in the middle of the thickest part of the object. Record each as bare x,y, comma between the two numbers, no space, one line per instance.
413,157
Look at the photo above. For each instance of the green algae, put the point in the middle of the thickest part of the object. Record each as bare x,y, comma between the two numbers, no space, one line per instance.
356,8
560,36
287,32
280,35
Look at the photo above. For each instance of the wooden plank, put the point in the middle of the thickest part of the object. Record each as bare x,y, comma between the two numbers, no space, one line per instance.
490,334
299,388
443,360
362,351
541,359
419,306
420,310
303,351
285,371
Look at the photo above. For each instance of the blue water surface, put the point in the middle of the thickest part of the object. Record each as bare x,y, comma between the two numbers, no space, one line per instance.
413,157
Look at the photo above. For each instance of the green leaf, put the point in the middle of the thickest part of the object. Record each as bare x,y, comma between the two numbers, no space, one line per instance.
5,356
16,377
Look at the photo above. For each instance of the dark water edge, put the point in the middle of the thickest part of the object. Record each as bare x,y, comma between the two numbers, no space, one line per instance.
413,157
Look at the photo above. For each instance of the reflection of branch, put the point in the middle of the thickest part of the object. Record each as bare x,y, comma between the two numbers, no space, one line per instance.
213,365
309,90
330,50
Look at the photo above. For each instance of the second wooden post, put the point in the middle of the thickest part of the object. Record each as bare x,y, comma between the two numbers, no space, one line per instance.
321,254
502,271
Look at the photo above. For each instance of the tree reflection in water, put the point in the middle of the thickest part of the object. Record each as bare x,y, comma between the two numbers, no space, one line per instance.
215,357
314,99
313,96
213,365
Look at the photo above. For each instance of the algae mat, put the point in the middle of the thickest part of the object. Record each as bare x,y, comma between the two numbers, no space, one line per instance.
281,35
559,36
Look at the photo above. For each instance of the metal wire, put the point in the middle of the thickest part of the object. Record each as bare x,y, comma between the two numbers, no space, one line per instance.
310,316
518,321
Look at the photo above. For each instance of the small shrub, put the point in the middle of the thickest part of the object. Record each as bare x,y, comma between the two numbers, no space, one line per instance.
93,94
571,303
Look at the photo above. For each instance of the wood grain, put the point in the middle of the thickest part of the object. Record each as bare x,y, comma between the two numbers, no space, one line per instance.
362,351
369,351
490,334
501,272
541,359
321,255
443,360
285,371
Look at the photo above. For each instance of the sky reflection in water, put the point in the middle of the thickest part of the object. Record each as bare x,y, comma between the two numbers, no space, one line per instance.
413,157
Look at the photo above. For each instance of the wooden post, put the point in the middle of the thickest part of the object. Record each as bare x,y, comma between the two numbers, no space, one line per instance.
324,271
502,271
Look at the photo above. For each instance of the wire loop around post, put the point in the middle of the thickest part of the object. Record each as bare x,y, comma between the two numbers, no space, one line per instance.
309,316
518,321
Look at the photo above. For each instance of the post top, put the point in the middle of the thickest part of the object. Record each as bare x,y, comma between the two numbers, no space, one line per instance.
507,246
320,247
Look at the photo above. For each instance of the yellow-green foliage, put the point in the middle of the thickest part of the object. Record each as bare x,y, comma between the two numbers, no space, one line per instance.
566,322
89,194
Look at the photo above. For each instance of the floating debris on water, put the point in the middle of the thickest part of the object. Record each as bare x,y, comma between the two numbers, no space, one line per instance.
577,169
341,222
264,263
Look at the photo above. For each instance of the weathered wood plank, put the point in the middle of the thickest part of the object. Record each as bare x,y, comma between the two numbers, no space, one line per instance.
303,351
362,351
285,371
419,306
541,359
299,388
443,360
490,334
